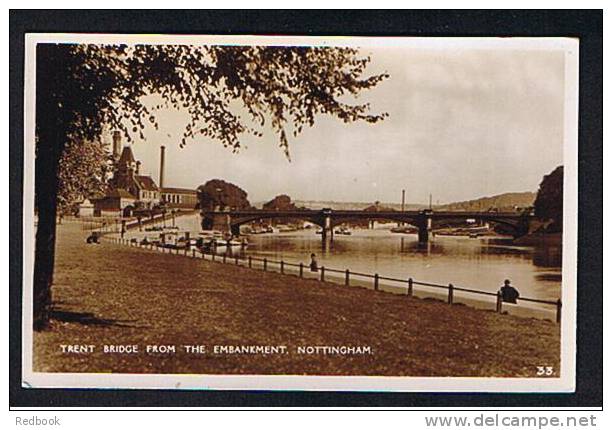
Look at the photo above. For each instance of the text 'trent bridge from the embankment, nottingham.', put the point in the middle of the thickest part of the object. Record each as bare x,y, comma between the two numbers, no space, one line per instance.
328,219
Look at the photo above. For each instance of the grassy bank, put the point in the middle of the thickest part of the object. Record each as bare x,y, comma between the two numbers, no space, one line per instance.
113,295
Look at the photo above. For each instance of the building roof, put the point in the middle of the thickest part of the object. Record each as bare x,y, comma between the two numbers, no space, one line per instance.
121,193
127,156
178,190
146,183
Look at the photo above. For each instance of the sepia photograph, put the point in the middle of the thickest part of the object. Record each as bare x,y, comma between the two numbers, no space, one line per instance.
300,213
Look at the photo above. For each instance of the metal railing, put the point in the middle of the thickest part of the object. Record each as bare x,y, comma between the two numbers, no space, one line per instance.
346,276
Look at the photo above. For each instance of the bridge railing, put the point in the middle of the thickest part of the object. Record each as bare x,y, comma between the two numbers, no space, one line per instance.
345,277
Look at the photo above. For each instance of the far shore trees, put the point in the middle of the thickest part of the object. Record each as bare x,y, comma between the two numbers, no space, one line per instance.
548,204
83,88
218,193
282,202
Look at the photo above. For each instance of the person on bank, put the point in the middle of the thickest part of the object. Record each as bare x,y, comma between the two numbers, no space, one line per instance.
508,293
314,267
93,238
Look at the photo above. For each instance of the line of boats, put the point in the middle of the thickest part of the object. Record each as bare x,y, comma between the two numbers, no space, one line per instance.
212,240
472,232
205,241
340,230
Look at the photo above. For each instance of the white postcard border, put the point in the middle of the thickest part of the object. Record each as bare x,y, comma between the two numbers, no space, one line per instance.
564,383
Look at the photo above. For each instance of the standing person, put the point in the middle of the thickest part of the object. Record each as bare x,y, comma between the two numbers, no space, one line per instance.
508,292
314,267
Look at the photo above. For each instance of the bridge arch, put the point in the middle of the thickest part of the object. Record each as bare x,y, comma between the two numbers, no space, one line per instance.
338,220
518,225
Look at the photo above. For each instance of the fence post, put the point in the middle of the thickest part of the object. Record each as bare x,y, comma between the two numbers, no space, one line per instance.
559,311
224,257
236,260
213,255
265,264
301,270
376,282
322,273
282,266
193,253
498,308
250,262
346,277
410,287
450,294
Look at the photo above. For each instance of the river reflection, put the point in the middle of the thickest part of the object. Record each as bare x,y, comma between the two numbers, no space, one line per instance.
478,263
481,263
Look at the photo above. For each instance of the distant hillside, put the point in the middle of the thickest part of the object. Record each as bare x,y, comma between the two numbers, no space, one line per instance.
506,201
502,202
315,204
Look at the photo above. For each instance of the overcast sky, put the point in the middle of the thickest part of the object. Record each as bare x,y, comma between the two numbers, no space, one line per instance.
462,124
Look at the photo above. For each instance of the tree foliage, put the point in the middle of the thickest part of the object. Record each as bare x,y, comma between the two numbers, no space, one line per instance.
219,193
548,204
83,172
286,87
281,202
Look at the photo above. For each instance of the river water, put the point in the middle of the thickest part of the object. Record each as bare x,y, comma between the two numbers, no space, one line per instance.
476,263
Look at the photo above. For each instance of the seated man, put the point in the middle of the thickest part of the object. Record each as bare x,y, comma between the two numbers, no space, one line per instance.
314,267
508,292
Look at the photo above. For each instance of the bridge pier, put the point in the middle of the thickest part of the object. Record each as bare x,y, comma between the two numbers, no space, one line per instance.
424,226
327,230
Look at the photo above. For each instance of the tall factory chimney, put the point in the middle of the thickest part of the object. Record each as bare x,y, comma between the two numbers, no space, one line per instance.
162,161
116,144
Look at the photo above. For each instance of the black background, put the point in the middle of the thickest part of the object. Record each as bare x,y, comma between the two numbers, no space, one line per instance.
585,25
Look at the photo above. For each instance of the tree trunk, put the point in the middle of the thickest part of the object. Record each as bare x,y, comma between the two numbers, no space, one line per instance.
47,161
52,69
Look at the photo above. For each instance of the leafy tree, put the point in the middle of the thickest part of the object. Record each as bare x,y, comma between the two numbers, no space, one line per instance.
281,202
80,89
218,192
83,170
548,204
